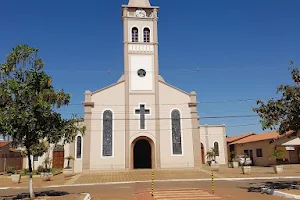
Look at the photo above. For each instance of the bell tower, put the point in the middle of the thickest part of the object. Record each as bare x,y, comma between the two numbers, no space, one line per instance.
140,46
141,74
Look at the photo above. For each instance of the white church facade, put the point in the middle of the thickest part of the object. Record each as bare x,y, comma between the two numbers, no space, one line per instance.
141,121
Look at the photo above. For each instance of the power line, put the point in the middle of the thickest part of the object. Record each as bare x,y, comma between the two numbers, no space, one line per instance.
179,70
170,104
169,129
117,113
242,125
184,118
164,125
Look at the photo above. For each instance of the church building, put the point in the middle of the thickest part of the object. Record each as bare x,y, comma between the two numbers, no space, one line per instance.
141,121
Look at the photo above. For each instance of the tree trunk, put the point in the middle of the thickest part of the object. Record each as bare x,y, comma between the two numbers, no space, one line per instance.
30,175
68,163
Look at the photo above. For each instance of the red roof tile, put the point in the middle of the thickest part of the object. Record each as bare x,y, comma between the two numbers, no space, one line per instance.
260,137
238,137
4,143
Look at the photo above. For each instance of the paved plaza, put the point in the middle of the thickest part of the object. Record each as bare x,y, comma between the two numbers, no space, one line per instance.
168,184
145,176
225,190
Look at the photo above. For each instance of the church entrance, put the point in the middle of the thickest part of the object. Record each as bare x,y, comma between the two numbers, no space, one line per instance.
202,154
142,154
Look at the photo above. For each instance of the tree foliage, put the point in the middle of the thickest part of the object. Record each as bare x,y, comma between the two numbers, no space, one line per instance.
282,114
39,149
28,101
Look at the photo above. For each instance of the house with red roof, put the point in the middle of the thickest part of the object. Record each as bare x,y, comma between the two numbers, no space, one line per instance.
9,156
259,147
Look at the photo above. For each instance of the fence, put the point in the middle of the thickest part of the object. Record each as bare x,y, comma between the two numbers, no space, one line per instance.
17,163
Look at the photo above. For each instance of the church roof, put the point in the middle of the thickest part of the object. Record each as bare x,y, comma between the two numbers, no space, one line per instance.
139,3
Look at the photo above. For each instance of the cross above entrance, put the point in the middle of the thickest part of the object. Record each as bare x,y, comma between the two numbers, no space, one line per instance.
142,112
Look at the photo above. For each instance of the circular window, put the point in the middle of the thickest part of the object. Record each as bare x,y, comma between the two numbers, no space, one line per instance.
141,73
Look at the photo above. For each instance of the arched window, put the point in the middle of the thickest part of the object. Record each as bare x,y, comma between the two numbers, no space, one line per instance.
135,35
216,147
176,132
146,35
107,133
78,147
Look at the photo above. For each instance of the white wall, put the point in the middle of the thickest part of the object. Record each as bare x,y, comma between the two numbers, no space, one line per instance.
40,160
209,134
137,62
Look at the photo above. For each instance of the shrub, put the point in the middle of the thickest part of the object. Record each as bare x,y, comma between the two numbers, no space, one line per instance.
10,170
26,171
41,169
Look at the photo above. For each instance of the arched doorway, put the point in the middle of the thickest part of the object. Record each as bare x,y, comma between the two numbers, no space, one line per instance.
202,154
142,153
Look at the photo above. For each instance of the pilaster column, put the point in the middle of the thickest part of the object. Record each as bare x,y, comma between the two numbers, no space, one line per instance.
126,77
225,144
195,130
88,105
206,138
156,85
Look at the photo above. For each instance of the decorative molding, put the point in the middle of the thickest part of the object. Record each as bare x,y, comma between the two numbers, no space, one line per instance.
88,104
193,104
140,48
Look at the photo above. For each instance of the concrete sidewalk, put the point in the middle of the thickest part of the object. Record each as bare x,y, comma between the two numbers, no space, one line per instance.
226,190
131,176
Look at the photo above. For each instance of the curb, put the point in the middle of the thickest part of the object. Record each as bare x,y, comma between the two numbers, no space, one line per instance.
171,180
87,197
286,195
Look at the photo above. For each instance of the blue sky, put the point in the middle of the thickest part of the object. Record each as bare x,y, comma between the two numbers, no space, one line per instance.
242,48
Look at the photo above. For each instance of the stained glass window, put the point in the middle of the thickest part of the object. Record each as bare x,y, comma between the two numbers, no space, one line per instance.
176,132
78,147
107,133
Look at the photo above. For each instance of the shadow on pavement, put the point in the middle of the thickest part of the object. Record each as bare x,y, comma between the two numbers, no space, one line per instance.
50,193
274,185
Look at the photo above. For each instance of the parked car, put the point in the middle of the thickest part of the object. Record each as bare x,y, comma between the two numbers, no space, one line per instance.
241,160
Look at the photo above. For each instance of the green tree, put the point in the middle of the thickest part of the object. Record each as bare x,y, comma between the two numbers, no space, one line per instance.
28,104
282,114
211,154
69,158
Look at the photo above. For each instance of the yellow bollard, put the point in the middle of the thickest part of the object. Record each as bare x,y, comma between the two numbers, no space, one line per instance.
212,182
152,187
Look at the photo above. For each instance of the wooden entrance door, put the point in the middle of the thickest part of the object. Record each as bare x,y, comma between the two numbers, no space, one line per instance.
202,154
58,159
